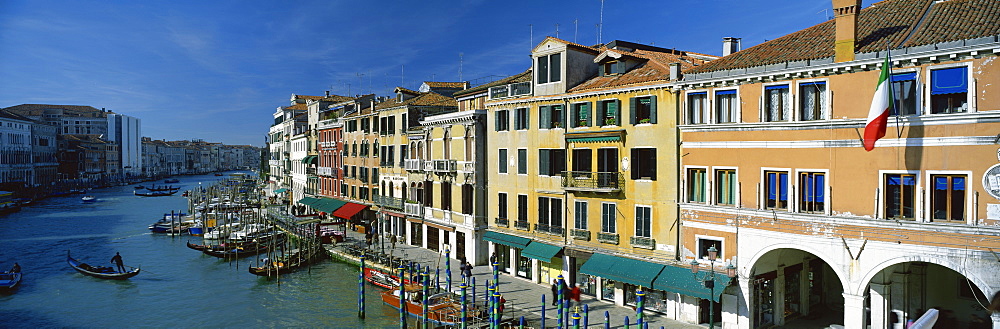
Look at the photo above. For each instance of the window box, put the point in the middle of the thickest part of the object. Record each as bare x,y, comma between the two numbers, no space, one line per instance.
643,242
579,234
502,222
610,238
521,225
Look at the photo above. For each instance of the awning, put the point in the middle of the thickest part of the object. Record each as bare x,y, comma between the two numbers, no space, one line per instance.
541,251
682,281
349,210
311,159
328,205
309,201
622,269
506,239
280,190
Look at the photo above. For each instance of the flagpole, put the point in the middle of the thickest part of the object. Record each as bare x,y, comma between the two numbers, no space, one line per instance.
892,98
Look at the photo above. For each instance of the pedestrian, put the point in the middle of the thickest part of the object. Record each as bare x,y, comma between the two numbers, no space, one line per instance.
555,291
117,259
493,258
15,269
575,293
392,240
466,269
566,293
501,306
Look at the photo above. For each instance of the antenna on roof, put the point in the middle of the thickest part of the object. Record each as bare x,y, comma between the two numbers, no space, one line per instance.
576,29
600,25
361,81
401,75
557,30
460,62
531,36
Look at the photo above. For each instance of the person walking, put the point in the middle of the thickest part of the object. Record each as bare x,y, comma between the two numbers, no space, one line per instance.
555,291
575,294
117,259
466,269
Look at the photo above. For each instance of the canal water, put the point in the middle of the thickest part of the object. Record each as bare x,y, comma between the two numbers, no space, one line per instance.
178,287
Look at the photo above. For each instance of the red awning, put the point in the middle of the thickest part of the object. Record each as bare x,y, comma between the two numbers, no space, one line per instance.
349,210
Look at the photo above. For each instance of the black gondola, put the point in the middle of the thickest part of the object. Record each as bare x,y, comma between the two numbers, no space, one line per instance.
231,252
287,264
202,247
155,193
101,272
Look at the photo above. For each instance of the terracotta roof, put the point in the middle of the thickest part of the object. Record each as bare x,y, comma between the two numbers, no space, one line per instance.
15,116
315,98
296,107
337,99
520,77
35,109
571,45
437,84
656,67
406,91
889,22
422,99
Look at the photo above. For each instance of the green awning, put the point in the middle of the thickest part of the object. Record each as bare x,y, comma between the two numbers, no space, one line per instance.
328,205
308,201
682,281
311,159
280,190
506,239
593,139
622,269
541,251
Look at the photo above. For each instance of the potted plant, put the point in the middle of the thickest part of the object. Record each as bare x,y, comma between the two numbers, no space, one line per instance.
610,122
646,120
557,124
583,123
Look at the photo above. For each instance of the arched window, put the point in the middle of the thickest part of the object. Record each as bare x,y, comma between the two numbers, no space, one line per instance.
447,144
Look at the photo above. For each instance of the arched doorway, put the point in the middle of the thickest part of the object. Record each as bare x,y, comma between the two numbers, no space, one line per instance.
792,288
903,292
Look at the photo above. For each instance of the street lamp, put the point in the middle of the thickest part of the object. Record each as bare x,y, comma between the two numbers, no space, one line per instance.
709,280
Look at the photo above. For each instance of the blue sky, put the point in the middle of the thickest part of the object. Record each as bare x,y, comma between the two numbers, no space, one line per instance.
217,70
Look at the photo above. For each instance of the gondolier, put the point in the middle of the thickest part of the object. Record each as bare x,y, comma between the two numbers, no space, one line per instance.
117,259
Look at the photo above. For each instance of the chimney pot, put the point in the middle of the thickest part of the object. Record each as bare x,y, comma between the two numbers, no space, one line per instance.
675,71
846,22
730,45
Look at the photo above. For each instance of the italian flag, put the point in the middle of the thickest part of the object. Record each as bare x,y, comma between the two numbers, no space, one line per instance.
878,114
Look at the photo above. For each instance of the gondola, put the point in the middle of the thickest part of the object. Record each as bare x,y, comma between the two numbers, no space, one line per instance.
442,308
101,272
9,281
155,193
238,251
202,247
287,264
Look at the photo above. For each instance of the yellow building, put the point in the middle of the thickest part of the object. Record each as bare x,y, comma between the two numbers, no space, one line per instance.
583,167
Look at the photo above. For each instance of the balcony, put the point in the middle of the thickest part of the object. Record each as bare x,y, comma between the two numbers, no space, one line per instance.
510,90
274,163
588,181
522,225
390,202
324,171
413,209
579,234
466,167
413,165
445,165
556,230
311,171
611,238
643,242
502,222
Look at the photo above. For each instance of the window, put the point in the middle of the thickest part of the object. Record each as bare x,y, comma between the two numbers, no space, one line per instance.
406,124
776,105
521,118
580,215
549,68
776,190
612,68
904,90
446,196
580,115
551,162
391,123
705,244
582,160
725,106
643,109
364,125
608,114
502,157
644,163
725,187
948,90
551,117
522,208
948,198
696,185
402,155
522,161
812,101
696,103
550,212
502,122
812,196
467,198
900,195
502,205
429,194
608,216
643,221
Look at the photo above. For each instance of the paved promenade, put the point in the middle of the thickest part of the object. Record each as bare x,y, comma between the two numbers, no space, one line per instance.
523,297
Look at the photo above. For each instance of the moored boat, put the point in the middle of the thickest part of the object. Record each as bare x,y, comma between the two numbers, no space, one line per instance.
172,181
9,281
442,308
289,263
89,199
155,193
383,279
101,272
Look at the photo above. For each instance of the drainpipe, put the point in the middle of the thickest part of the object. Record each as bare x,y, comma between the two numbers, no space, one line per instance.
677,180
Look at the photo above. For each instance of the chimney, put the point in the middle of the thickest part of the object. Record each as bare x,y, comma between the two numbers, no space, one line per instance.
730,45
327,93
675,71
846,21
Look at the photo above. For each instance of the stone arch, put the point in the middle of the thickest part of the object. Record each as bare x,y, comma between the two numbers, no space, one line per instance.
844,279
954,266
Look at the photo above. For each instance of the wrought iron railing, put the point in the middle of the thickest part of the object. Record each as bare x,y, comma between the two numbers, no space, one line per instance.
502,222
611,238
643,242
386,201
580,234
550,229
589,180
522,225
520,88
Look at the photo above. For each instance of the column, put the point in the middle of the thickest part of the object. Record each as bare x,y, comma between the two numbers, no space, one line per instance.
779,297
804,292
996,320
746,310
730,309
854,311
879,305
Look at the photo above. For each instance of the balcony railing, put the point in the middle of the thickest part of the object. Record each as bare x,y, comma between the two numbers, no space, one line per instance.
324,171
580,234
557,230
467,167
414,209
502,222
611,238
445,165
386,201
522,225
593,181
509,90
274,162
310,171
643,242
413,165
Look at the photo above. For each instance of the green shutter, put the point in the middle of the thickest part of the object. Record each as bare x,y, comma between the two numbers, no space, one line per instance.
631,110
635,160
544,117
527,117
652,109
496,121
621,67
600,67
562,116
600,113
652,164
616,112
543,162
